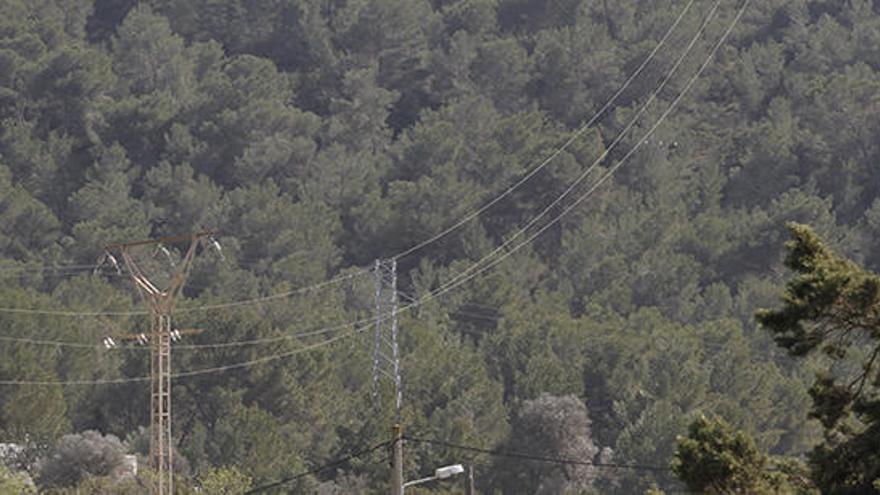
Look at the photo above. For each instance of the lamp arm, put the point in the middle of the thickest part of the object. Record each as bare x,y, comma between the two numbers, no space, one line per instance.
419,481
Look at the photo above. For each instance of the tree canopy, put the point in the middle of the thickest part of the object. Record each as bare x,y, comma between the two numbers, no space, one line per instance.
316,136
831,307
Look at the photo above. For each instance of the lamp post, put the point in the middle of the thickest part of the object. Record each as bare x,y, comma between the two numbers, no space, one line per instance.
439,474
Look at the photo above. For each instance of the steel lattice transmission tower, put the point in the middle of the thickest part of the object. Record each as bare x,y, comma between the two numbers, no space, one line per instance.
386,356
161,305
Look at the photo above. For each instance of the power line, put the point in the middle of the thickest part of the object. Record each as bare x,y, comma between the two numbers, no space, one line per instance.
318,469
436,237
653,96
464,276
241,343
469,273
577,134
205,307
215,345
282,295
538,458
558,150
183,374
38,267
218,345
52,343
44,268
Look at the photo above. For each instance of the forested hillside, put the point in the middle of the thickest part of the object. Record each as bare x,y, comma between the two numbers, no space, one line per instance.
315,136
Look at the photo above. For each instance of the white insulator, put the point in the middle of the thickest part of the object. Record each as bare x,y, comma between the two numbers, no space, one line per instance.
166,252
113,262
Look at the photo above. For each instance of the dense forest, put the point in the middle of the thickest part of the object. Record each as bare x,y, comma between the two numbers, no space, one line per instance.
612,305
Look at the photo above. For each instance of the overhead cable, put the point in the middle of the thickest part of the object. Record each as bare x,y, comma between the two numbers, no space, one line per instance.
436,237
468,274
196,372
577,134
204,307
603,156
318,469
45,268
538,458
474,271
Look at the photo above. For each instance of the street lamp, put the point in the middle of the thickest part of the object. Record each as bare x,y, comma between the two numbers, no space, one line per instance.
439,474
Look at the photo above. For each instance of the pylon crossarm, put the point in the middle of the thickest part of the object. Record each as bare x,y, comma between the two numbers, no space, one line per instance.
151,334
145,285
181,272
184,268
159,240
141,281
160,337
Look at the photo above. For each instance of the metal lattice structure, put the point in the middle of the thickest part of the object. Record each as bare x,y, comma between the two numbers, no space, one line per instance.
161,305
386,355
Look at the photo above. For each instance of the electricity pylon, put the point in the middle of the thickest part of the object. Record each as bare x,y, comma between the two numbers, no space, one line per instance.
161,305
386,358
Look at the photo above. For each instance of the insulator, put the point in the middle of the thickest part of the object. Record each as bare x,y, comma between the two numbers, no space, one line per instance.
164,250
113,262
216,246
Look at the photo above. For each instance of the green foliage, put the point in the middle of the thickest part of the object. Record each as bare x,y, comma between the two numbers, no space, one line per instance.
553,427
28,225
106,485
15,483
715,458
39,415
318,135
250,436
830,307
226,480
79,456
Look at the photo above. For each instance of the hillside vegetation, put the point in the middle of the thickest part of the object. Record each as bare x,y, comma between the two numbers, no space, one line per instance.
315,136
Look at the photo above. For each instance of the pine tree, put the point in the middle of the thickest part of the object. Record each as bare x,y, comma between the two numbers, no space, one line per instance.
830,307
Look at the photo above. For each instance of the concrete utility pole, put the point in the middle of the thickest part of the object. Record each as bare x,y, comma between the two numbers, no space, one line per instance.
386,358
161,305
471,485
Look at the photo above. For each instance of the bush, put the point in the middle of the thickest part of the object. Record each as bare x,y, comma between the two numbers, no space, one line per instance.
80,455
